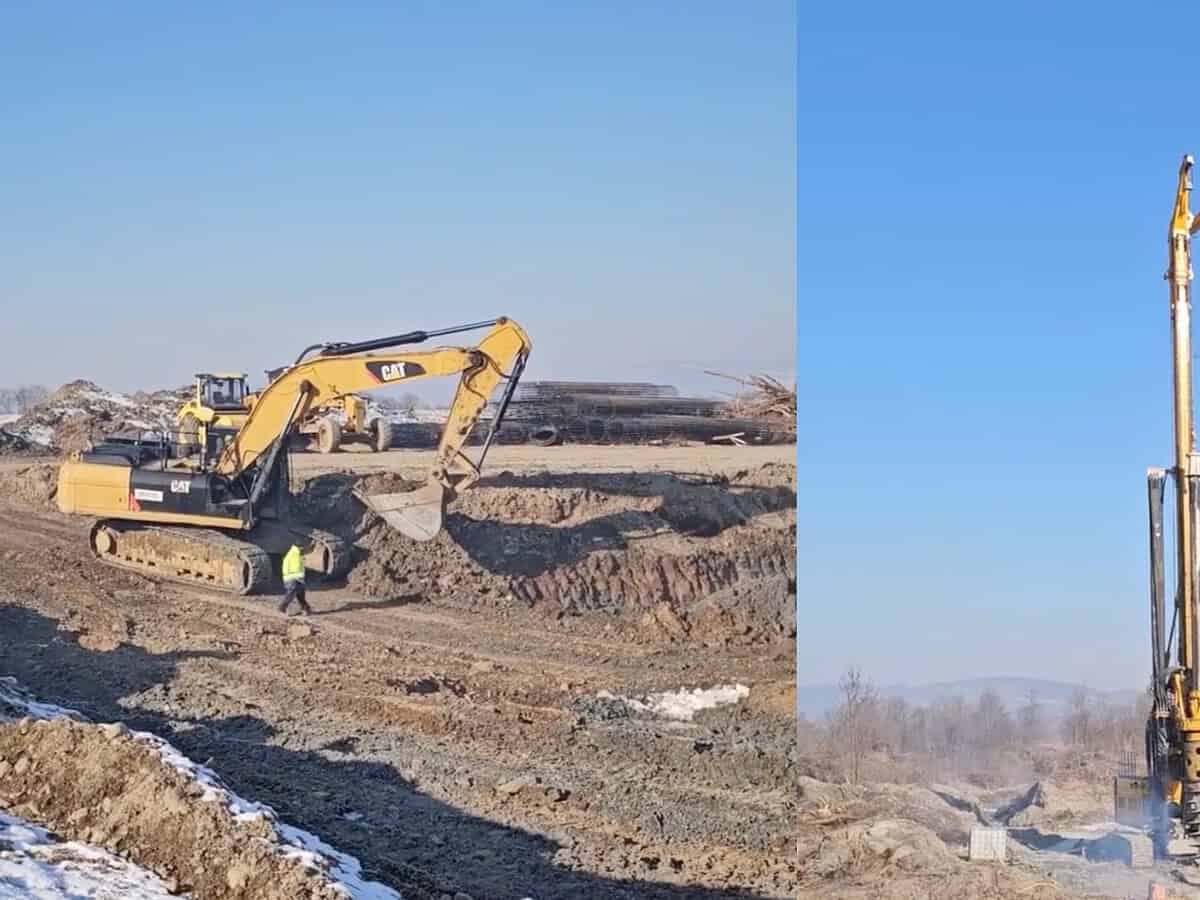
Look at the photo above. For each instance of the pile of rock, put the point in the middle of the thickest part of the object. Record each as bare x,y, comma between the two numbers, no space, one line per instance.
80,412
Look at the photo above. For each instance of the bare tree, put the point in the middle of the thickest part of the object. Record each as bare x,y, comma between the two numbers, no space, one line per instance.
949,727
1029,720
29,395
855,724
409,402
992,725
916,731
1078,726
893,723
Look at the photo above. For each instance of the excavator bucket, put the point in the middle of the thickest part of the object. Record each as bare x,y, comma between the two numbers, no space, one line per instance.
416,514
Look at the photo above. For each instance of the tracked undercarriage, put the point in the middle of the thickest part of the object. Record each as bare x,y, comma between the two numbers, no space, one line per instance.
212,558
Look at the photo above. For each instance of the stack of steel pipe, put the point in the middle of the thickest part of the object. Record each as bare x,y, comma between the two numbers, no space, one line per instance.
594,412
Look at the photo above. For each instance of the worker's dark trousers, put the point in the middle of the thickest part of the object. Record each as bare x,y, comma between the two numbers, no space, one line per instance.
295,591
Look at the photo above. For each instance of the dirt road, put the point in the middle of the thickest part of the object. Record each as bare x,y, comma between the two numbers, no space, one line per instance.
449,748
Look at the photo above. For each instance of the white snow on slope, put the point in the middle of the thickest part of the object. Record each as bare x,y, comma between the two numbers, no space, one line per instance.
39,434
682,705
342,870
15,701
35,866
5,418
108,397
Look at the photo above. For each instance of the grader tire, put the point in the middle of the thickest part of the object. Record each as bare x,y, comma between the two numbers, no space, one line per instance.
381,435
329,436
189,435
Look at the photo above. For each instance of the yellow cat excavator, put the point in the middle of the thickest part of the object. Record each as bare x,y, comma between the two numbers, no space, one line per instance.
218,518
1165,797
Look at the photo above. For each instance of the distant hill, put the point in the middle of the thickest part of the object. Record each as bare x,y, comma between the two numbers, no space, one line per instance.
814,700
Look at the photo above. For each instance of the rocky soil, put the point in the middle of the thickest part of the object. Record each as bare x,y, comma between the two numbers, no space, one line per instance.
80,412
132,794
451,738
910,841
660,556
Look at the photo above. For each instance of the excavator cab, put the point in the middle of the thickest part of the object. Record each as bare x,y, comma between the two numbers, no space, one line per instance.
221,392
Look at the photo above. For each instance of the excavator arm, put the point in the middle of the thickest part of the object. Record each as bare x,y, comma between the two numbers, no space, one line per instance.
341,369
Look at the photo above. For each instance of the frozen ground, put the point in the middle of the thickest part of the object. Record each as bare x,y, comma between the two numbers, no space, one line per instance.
36,866
683,704
447,737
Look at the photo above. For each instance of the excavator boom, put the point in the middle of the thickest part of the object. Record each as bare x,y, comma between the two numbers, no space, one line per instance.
340,370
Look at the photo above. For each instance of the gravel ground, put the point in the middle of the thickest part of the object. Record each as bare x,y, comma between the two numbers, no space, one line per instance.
448,747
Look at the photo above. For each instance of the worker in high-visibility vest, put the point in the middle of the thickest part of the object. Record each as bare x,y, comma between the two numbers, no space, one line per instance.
293,581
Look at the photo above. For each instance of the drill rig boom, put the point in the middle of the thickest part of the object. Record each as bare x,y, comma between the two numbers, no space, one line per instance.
1171,789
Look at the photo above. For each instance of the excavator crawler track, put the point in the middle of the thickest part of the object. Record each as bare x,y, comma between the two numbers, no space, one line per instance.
196,556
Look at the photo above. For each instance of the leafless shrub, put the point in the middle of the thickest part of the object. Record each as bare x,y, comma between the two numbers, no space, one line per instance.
20,399
868,737
854,728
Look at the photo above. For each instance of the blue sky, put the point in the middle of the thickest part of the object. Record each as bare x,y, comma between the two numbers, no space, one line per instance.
219,185
984,194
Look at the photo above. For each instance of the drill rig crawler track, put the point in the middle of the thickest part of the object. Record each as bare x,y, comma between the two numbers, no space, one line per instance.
219,521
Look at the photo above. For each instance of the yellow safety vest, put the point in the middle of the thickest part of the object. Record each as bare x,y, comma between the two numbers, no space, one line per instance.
293,565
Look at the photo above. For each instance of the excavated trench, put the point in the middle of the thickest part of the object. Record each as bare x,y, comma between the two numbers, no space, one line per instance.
714,556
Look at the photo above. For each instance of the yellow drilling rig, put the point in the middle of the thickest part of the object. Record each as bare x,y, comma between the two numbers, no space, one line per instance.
1165,799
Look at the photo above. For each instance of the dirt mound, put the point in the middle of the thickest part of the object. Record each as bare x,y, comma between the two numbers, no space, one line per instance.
80,412
946,815
109,787
673,557
852,831
1049,805
30,486
854,850
898,841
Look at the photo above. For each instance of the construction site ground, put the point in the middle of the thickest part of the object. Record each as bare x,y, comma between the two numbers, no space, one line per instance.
451,747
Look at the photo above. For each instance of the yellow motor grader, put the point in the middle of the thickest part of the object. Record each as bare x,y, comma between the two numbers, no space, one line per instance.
223,401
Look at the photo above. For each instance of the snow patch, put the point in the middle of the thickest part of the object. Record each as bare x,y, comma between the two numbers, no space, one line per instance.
417,416
682,705
5,418
108,397
16,702
35,866
342,870
39,434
